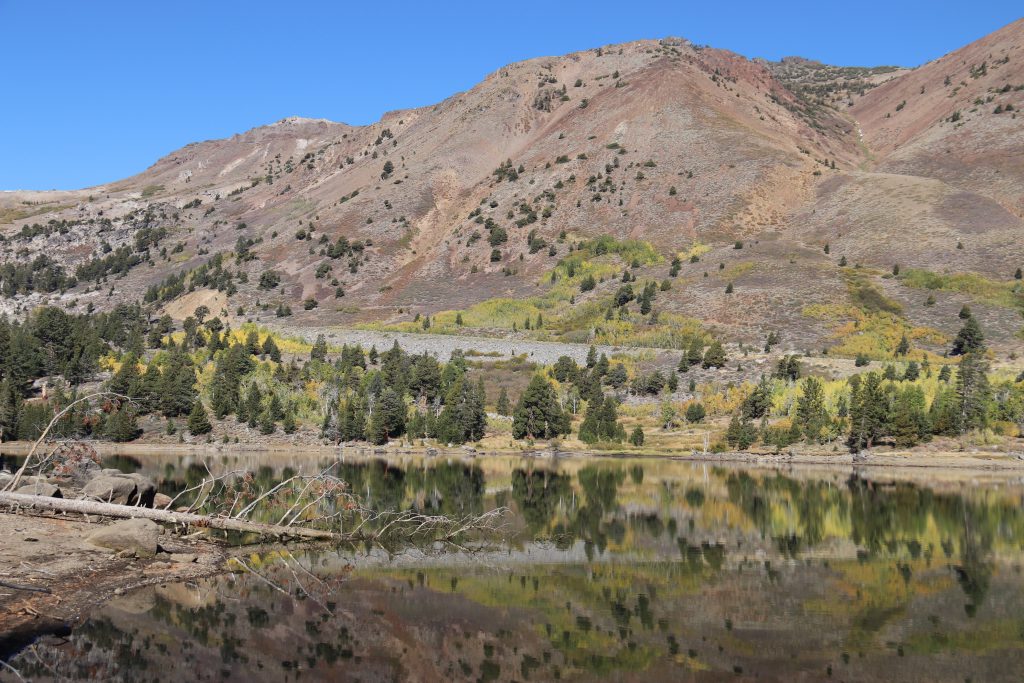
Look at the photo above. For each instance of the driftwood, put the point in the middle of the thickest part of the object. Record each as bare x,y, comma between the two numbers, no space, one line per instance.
90,507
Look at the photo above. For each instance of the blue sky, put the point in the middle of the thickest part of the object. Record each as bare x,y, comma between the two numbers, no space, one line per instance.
96,91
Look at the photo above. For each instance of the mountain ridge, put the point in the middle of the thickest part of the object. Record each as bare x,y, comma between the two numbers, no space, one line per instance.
682,147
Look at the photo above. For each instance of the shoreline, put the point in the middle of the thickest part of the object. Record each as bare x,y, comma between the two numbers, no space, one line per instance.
976,460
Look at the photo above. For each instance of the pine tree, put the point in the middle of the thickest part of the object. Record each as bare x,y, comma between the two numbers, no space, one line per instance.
537,414
591,357
869,411
271,350
903,348
252,343
253,403
637,437
972,392
288,423
910,423
275,409
912,373
10,404
600,422
741,433
178,379
319,350
759,402
695,412
969,339
198,422
121,425
388,419
126,377
811,414
714,357
266,423
695,352
673,382
502,407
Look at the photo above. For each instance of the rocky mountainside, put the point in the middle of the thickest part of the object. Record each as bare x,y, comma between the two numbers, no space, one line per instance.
836,207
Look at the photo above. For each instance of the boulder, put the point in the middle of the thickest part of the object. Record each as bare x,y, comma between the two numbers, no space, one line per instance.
133,535
145,490
112,489
77,473
161,501
41,489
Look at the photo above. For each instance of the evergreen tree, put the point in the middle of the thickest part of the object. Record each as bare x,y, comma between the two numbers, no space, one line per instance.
271,350
319,350
537,414
10,404
695,412
637,437
811,415
502,407
714,357
198,422
252,343
352,419
973,393
869,411
741,433
969,339
759,402
910,423
266,423
250,412
695,353
146,391
177,385
463,417
600,422
126,377
425,377
912,373
591,357
903,348
673,382
388,419
942,415
288,423
121,425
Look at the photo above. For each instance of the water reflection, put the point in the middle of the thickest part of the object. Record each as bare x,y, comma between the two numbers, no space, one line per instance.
647,571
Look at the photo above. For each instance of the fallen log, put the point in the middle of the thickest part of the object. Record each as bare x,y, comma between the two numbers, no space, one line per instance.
90,507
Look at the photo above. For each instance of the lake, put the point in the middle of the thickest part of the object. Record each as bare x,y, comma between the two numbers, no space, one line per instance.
605,569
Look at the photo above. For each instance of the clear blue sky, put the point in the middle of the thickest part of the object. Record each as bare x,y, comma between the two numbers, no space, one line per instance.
93,91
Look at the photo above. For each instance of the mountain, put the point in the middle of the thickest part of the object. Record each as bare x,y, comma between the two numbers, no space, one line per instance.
763,178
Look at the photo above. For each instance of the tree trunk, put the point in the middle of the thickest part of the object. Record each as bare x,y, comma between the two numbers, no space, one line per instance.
90,507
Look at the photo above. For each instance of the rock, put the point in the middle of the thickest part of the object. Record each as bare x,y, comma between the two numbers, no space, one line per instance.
41,489
145,490
185,558
110,489
78,472
138,535
161,500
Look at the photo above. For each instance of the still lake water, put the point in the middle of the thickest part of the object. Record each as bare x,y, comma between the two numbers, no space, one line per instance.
620,570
